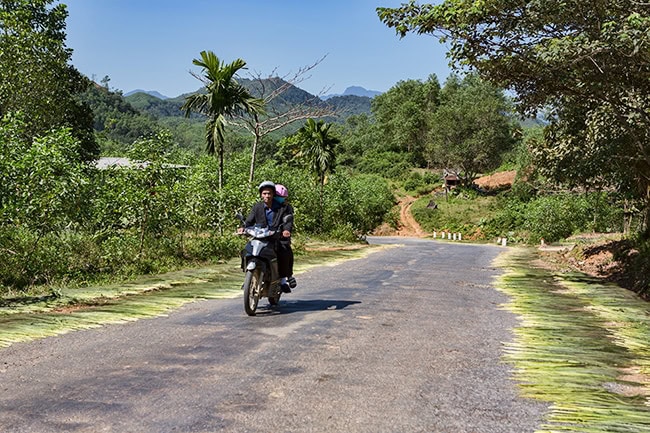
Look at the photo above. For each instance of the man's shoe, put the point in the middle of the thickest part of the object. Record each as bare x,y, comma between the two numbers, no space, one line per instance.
292,282
285,288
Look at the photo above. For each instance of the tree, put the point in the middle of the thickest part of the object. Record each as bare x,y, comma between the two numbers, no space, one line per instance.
471,129
586,61
318,149
279,114
35,77
360,134
224,98
402,113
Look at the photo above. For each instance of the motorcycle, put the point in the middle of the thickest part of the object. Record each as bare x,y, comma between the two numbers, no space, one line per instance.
260,263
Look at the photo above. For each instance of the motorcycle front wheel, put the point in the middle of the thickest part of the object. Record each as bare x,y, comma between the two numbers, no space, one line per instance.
252,289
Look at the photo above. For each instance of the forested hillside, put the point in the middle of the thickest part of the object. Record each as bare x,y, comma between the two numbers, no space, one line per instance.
345,106
119,119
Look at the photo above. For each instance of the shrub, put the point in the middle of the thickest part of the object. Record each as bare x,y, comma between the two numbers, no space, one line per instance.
414,181
555,217
344,232
391,165
213,246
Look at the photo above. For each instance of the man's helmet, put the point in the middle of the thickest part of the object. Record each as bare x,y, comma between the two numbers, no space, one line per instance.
281,191
266,184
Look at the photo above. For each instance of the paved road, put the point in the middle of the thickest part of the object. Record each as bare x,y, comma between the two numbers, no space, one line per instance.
407,340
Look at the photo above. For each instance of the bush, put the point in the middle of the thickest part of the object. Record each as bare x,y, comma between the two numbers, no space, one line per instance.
414,181
61,220
421,183
213,246
391,165
361,202
456,214
344,232
555,217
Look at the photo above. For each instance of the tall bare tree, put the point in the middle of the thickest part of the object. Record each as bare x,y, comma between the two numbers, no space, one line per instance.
272,89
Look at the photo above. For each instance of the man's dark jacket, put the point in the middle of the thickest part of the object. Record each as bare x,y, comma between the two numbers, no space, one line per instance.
283,246
257,216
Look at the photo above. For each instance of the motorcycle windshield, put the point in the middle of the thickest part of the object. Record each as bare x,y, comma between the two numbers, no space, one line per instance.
259,232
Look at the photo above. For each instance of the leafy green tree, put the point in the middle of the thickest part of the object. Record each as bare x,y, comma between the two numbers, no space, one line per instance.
402,114
316,147
587,61
359,134
41,181
471,129
42,196
224,98
35,77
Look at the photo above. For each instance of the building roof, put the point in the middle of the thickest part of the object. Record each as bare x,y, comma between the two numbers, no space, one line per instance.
108,162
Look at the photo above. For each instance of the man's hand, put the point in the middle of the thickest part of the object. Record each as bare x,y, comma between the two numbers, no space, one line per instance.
286,234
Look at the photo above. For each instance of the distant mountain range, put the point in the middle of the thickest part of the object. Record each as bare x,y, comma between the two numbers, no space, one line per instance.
350,91
148,92
355,100
354,91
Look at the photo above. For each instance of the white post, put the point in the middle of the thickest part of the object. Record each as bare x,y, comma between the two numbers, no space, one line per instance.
454,236
499,240
435,235
503,242
460,237
449,235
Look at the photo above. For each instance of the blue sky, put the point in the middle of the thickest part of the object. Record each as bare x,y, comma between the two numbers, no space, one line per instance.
150,44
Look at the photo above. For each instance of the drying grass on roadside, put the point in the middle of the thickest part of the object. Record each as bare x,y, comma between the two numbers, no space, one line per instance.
582,346
149,296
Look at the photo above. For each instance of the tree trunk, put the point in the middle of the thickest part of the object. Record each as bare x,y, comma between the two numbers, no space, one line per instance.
645,228
256,142
220,166
322,188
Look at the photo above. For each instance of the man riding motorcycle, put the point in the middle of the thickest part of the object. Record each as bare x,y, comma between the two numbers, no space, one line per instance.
271,213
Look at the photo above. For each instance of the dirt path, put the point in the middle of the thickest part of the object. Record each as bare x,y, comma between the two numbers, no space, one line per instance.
408,226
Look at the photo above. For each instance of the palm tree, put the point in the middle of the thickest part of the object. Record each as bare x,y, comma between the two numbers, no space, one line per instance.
224,98
318,147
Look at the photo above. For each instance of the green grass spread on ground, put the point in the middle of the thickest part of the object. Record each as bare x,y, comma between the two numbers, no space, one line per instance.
149,296
582,346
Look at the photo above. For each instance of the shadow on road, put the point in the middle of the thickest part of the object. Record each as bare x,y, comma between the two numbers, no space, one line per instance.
299,306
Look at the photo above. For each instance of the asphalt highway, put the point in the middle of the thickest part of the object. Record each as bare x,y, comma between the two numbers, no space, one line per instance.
408,339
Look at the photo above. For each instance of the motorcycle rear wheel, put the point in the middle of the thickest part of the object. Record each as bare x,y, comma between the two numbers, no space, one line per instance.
252,290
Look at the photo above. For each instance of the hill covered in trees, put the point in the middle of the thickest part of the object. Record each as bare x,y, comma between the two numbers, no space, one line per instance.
344,105
119,119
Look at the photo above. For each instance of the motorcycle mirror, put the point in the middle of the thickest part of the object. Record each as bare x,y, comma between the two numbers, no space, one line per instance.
239,216
287,218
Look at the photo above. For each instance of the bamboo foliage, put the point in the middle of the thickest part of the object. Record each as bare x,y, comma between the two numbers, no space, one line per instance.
576,341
